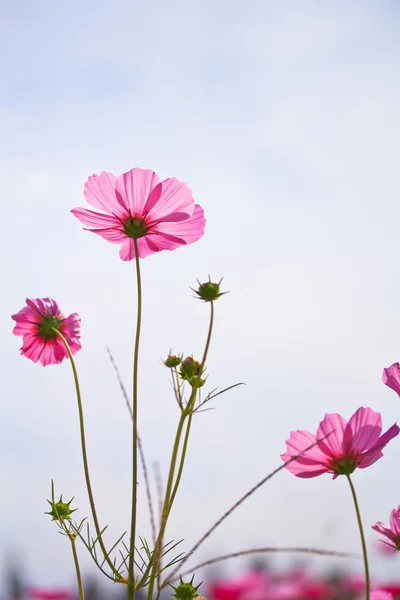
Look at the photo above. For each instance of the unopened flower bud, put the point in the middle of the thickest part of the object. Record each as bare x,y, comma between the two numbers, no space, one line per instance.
209,291
186,591
60,511
172,361
189,368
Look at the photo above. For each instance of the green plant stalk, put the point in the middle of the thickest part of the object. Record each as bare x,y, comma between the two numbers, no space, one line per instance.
77,568
131,567
363,544
182,462
170,494
165,510
85,459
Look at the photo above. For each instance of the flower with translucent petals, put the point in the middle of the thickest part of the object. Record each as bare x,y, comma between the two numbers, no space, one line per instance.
37,323
392,532
137,207
391,377
340,446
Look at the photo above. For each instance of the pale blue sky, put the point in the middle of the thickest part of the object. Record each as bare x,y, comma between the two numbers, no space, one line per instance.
283,118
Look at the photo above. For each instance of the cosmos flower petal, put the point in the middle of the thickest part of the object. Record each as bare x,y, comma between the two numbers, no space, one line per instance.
332,427
376,450
134,187
99,191
170,196
366,427
391,377
190,230
95,219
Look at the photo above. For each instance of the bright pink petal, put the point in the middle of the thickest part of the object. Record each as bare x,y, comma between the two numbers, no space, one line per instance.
300,470
395,521
380,595
111,235
369,459
97,220
99,191
366,427
376,451
332,428
391,377
309,462
170,196
133,189
127,250
189,230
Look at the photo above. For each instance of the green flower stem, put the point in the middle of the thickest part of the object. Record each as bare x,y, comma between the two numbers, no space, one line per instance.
171,493
363,544
77,568
85,459
208,341
189,409
182,462
165,510
131,567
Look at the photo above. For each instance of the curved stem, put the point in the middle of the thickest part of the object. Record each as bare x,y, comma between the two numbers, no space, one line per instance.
363,544
77,568
131,568
85,459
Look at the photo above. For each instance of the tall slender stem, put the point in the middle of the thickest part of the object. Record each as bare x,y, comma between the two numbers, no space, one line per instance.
131,568
85,459
208,340
77,568
171,491
363,544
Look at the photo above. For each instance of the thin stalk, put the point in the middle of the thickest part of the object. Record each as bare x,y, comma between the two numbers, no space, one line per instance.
131,568
85,459
182,462
171,492
208,341
77,568
362,536
165,511
267,549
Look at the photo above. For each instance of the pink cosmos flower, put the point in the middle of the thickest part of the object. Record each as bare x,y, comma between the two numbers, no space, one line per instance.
36,323
392,532
137,205
391,377
379,595
345,446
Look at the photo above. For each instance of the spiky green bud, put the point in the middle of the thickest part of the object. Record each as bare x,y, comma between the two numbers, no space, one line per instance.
186,591
60,511
209,291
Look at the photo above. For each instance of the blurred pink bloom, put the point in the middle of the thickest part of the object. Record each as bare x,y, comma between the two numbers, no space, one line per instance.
233,590
392,533
44,594
36,323
379,595
160,215
391,377
357,443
